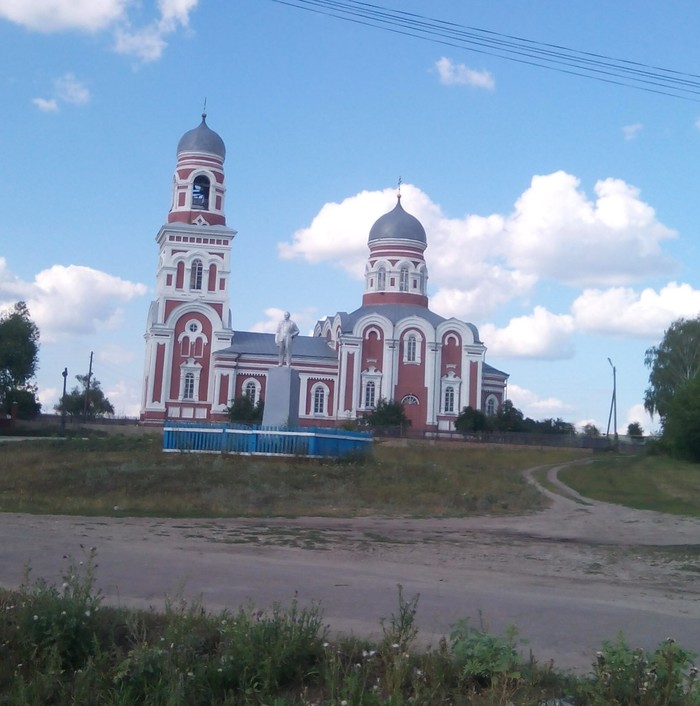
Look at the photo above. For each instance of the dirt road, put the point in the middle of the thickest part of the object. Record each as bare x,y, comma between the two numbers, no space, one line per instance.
568,577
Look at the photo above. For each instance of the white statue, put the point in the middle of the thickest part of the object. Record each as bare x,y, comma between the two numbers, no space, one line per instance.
287,331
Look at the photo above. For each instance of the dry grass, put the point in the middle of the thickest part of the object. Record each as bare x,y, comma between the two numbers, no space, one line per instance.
122,475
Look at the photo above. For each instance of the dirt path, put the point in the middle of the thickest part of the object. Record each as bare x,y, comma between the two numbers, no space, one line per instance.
569,577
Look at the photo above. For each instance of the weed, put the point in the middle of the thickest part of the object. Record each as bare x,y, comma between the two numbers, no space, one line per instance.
623,675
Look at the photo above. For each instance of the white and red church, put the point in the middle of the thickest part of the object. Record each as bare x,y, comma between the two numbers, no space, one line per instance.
392,347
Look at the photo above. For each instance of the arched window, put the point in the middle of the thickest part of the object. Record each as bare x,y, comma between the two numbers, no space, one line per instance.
409,399
411,347
196,274
319,399
370,393
251,391
381,279
188,387
200,193
403,279
491,406
449,399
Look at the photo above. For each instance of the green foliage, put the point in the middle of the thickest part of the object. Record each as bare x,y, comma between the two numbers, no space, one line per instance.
622,676
61,647
471,420
56,625
28,407
681,430
19,355
97,404
634,430
387,413
243,411
399,636
672,363
591,430
485,658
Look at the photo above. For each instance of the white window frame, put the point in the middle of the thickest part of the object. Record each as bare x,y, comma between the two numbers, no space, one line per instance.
320,390
412,351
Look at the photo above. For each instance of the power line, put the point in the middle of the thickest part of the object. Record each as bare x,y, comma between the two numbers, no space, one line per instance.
599,67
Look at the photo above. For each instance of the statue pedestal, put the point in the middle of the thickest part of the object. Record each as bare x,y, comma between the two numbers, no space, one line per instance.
281,398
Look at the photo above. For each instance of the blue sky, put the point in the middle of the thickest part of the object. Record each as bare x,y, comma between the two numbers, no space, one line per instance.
561,212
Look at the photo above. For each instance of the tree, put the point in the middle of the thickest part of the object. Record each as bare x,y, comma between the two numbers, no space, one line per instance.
672,363
591,430
243,411
634,430
471,420
19,354
681,430
508,418
98,405
388,414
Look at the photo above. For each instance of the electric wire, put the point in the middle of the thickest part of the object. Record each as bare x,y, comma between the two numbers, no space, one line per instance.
600,67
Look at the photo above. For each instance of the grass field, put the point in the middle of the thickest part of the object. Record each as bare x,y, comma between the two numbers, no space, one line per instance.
119,475
643,482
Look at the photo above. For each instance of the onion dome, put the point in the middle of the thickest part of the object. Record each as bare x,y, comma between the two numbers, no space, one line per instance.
202,139
397,224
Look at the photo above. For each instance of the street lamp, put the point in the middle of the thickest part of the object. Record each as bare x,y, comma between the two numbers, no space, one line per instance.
613,402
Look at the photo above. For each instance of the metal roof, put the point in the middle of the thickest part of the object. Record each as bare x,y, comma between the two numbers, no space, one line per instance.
396,313
397,224
202,139
254,343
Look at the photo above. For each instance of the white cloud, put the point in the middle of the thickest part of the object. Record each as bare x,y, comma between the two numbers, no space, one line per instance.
70,300
47,105
541,335
67,89
452,74
556,232
147,43
479,263
531,405
144,41
116,355
70,90
63,15
305,320
622,311
339,231
631,131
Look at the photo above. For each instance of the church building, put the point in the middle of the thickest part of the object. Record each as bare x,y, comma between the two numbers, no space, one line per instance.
392,347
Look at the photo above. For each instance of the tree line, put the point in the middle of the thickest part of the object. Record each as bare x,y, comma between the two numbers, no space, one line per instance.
19,362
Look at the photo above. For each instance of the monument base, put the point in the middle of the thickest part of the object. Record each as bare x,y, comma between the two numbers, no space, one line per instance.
281,398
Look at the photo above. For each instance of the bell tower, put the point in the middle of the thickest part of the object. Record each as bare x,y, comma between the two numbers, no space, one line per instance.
189,320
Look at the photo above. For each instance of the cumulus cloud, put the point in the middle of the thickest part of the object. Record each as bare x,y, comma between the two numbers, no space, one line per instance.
556,232
531,405
541,335
621,311
63,15
477,263
304,319
72,300
452,74
145,41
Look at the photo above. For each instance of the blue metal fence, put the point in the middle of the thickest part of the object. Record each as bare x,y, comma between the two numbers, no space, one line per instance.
265,441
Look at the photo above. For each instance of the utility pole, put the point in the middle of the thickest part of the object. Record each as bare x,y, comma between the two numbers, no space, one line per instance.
63,402
87,390
613,403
